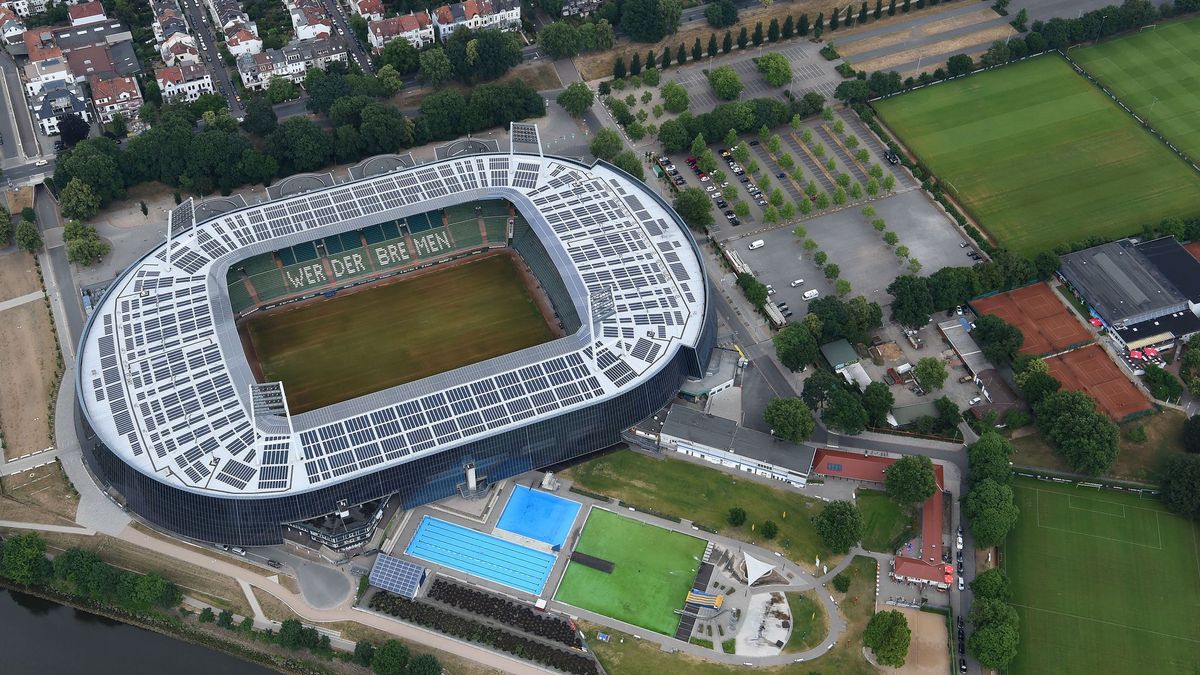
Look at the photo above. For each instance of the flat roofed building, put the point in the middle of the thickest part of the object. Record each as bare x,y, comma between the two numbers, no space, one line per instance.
724,442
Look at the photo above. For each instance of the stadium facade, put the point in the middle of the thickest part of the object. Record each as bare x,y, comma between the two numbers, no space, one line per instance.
175,427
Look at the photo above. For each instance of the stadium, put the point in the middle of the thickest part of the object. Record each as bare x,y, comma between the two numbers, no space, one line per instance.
408,334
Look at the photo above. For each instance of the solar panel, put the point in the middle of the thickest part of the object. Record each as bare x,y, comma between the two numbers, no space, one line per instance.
397,576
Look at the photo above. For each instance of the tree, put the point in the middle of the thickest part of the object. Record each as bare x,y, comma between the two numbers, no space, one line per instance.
992,511
768,529
911,304
1034,380
725,83
877,401
27,237
757,37
400,55
435,67
560,39
635,66
996,55
260,118
789,419
23,560
630,163
773,31
424,664
225,619
743,38
992,584
736,516
576,99
606,143
839,525
206,615
281,89
299,145
844,412
72,129
754,290
795,346
650,20
695,207
727,43
910,480
832,271
819,387
959,64
675,97
999,340
994,645
1163,385
79,200
721,14
390,659
988,459
697,50
713,49
888,635
5,228
775,69
1086,438
619,68
1191,434
364,651
930,373
1180,485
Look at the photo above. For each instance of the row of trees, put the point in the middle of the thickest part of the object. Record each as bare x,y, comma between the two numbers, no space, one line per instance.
996,623
989,500
469,56
739,117
563,39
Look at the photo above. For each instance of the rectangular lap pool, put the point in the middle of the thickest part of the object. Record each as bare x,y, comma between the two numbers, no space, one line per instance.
538,515
481,555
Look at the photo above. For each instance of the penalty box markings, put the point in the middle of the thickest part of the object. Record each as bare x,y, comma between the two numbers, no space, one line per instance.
1110,623
1038,511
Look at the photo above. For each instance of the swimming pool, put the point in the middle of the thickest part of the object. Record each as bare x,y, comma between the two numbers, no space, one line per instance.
538,515
481,555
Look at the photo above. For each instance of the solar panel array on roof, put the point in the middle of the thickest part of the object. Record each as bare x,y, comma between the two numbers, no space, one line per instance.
397,576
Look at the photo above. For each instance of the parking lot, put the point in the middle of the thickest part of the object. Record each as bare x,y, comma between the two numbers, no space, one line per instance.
810,72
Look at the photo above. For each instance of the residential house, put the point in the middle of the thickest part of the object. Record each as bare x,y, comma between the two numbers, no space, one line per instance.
179,48
168,19
46,74
310,21
476,15
12,31
184,82
579,7
87,13
291,62
111,36
116,96
371,10
50,107
240,40
25,7
226,13
416,29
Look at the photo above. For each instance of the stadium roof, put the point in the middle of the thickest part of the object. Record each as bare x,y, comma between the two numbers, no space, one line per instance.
166,385
1128,283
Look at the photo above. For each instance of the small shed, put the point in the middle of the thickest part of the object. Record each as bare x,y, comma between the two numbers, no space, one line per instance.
839,354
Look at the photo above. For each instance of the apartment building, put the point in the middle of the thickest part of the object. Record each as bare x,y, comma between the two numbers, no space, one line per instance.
476,15
292,61
416,28
184,82
114,96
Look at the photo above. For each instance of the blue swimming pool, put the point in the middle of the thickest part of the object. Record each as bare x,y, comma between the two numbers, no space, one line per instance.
481,555
538,515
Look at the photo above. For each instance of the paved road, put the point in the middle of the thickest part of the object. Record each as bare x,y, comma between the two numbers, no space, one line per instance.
198,19
342,25
16,127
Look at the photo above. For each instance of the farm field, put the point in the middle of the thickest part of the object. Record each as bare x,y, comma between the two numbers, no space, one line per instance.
351,345
653,570
1132,612
1041,157
1157,74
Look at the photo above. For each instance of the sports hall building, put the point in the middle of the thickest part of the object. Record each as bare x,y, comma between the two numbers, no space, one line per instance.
175,426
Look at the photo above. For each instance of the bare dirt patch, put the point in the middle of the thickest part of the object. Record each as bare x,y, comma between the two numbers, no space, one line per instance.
901,36
17,200
927,653
28,363
955,46
41,495
18,276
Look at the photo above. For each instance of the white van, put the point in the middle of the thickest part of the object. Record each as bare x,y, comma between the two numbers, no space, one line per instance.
809,295
798,282
757,244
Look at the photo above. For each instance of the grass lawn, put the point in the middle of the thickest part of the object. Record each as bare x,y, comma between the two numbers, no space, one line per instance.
625,655
1135,461
1040,156
653,570
1135,608
705,495
809,625
884,520
1157,74
363,342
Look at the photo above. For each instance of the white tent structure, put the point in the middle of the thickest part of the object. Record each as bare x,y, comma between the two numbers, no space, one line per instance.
756,569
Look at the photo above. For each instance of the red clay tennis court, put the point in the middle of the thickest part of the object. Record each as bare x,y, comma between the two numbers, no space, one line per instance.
1048,326
1092,371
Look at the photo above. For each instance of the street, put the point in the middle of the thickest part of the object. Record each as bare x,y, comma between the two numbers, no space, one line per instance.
198,20
16,126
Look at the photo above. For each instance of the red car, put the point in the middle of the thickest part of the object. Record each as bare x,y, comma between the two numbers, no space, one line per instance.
691,159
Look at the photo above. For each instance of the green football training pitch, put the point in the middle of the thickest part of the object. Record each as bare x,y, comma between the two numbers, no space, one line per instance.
1040,156
653,570
1104,582
1157,74
352,345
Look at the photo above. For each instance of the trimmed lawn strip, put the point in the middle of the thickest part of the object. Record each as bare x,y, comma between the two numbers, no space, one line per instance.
704,496
809,624
653,570
1042,157
1134,609
884,519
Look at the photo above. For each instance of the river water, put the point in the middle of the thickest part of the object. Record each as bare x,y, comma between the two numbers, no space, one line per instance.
45,638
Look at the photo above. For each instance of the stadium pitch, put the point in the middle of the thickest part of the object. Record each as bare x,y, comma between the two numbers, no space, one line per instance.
653,570
360,342
1040,156
1155,73
1104,582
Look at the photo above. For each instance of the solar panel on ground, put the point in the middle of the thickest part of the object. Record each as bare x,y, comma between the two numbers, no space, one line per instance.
397,576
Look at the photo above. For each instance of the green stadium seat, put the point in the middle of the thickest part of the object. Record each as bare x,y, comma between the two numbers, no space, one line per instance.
466,234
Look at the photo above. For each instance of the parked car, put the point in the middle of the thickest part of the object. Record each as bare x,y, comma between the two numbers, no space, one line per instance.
711,188
673,172
735,222
729,213
670,167
275,563
961,583
891,157
753,142
781,175
962,665
743,179
680,181
975,401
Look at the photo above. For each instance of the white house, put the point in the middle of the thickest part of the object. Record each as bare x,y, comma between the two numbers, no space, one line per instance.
415,28
179,48
184,83
86,14
240,39
310,21
371,10
25,7
50,108
116,95
292,62
477,15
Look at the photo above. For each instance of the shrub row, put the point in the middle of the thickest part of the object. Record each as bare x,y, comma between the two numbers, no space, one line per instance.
506,611
646,509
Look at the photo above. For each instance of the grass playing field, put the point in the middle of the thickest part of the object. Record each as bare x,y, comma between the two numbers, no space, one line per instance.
884,520
1104,582
1157,74
653,570
1040,156
338,349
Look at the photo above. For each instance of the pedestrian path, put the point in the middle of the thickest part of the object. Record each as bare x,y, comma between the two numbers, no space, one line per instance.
17,302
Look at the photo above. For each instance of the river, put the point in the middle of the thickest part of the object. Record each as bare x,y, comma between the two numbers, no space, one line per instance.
45,638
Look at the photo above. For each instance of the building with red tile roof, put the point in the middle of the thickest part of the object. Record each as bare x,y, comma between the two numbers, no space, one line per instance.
116,95
86,13
416,28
